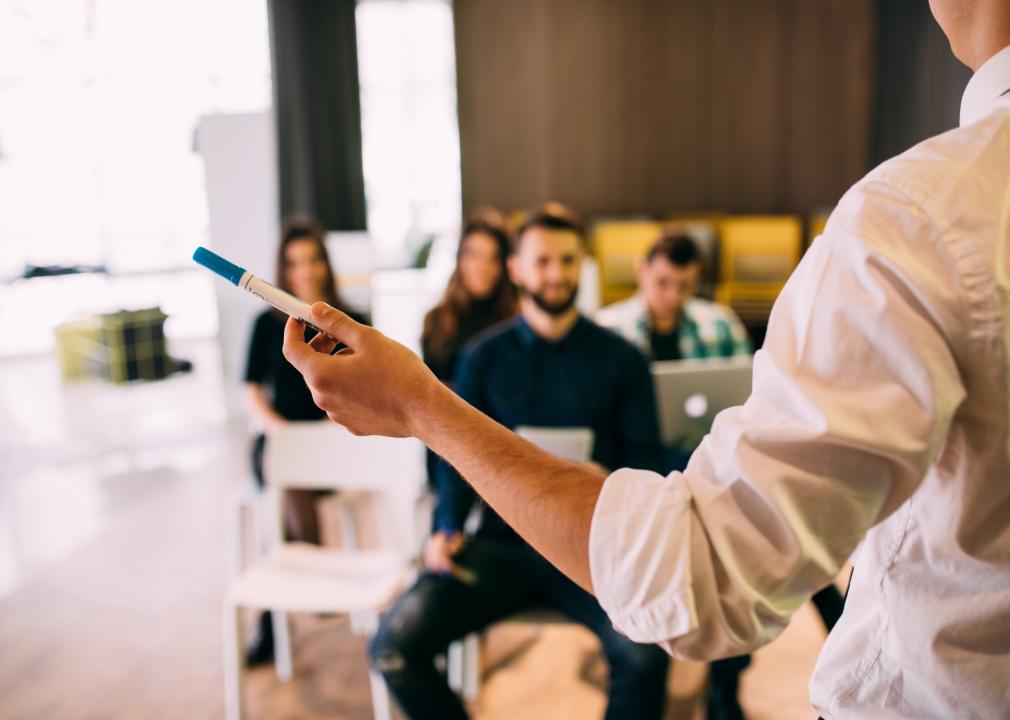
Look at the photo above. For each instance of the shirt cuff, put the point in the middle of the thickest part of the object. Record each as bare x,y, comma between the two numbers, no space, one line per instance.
640,555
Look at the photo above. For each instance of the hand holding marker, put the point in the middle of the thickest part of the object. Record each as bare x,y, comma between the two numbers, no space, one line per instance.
285,302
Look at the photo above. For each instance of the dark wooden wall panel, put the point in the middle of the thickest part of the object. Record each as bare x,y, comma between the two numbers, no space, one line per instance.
670,135
659,106
503,98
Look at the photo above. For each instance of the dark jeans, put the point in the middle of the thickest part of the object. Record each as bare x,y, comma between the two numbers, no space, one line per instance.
508,578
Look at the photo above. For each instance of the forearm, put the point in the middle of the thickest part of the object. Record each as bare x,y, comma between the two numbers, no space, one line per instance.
548,501
455,498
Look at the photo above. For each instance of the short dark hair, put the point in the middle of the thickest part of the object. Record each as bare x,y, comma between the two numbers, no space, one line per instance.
550,216
677,247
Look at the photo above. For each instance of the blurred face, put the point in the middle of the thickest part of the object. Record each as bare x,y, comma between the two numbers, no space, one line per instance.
546,268
305,270
480,265
666,287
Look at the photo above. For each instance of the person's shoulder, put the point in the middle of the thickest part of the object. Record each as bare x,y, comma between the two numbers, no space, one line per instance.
933,173
619,312
709,311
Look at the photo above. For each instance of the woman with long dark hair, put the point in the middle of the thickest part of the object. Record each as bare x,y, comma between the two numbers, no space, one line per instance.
478,294
275,391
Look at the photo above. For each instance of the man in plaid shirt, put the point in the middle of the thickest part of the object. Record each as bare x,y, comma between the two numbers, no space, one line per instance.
664,319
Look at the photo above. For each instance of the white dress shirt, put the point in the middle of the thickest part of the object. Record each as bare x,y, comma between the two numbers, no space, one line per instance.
879,415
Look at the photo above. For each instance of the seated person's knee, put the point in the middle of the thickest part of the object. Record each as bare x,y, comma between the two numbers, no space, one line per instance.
404,630
641,660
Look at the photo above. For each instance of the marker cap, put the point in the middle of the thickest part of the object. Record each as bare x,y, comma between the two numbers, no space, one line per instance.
229,271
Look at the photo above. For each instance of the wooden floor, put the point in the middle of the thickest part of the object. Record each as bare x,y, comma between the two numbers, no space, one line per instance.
112,568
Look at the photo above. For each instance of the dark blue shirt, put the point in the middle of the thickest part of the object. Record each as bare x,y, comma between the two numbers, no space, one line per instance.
591,378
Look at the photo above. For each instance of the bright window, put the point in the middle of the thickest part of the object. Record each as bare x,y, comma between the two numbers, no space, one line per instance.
410,135
98,104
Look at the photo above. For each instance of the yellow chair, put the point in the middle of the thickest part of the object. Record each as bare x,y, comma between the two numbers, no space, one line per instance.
513,220
696,218
816,225
618,245
757,255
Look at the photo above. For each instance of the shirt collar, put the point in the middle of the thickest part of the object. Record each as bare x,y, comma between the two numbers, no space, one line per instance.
645,319
987,84
528,336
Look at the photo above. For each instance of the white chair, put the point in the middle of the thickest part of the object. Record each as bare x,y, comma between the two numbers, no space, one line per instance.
463,662
297,577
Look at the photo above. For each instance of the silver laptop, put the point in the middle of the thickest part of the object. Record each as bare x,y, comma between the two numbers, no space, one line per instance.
572,443
690,393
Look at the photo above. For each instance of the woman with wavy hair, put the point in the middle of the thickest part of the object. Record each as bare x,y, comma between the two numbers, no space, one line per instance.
478,294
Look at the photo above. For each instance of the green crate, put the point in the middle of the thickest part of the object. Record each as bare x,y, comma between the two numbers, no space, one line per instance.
133,346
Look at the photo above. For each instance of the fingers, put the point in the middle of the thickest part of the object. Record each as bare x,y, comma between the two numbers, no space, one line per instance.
437,561
337,325
296,351
456,544
441,565
322,343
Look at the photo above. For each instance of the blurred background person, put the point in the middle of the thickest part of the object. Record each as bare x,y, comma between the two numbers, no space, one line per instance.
549,367
276,393
664,318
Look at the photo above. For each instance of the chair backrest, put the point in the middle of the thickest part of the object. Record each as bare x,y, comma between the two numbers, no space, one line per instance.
326,456
618,246
588,298
572,443
816,224
759,249
757,253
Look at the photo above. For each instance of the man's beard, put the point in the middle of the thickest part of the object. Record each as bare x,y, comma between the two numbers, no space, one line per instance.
555,307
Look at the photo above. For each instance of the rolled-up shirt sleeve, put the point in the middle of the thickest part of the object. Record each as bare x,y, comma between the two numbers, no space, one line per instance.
852,397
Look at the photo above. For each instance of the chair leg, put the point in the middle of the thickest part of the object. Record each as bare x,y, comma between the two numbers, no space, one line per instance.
234,662
282,646
364,624
463,667
454,666
348,524
381,707
471,667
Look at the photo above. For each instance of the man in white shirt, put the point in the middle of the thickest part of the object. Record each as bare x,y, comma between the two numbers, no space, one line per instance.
879,417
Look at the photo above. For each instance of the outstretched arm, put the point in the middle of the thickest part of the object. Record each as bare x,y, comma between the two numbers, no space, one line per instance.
854,392
382,388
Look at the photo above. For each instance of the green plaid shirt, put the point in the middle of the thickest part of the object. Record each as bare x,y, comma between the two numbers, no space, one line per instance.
706,330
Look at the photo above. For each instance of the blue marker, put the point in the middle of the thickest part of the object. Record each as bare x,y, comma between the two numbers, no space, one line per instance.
244,279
